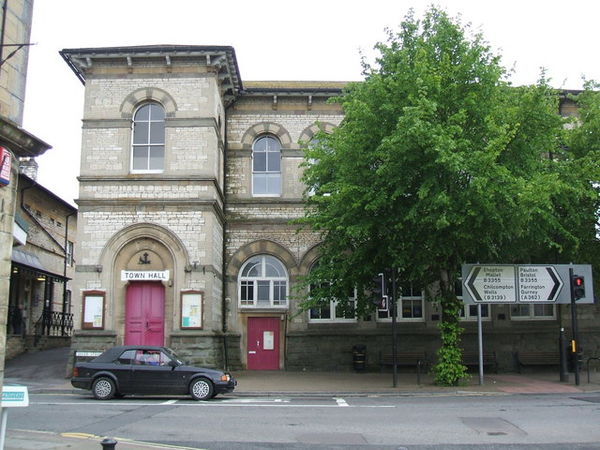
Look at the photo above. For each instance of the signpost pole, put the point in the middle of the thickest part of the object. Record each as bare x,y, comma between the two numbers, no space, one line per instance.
480,343
3,427
574,345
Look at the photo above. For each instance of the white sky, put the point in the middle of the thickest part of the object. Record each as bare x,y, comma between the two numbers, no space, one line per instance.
285,40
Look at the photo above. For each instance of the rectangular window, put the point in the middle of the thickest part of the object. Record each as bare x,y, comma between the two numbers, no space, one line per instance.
69,253
335,311
545,311
266,183
247,293
469,312
263,293
410,307
279,297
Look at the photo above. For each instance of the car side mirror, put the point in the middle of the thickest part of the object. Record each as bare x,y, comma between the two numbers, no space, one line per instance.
173,363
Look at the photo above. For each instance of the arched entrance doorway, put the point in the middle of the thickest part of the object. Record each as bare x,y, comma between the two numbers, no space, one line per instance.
145,313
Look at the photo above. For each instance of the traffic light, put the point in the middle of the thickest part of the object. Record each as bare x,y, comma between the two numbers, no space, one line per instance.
378,291
578,286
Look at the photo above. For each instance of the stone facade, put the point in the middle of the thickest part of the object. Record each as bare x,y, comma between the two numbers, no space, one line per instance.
222,240
14,140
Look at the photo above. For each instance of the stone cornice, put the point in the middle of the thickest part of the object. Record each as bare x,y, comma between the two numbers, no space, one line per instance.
19,141
96,204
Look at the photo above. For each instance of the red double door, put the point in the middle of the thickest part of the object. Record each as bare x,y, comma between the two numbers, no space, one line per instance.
263,343
145,314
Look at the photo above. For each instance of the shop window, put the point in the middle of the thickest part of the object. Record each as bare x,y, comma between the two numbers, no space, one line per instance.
148,147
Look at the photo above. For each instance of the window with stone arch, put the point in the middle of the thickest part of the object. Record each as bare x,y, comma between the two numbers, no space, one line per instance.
263,283
266,166
148,143
332,310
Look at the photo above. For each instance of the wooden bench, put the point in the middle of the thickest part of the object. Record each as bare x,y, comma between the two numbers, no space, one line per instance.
404,359
471,359
536,359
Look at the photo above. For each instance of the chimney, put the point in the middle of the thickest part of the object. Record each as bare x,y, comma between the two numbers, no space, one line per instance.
29,167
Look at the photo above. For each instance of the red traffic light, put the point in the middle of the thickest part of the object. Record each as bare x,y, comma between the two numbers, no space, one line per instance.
578,286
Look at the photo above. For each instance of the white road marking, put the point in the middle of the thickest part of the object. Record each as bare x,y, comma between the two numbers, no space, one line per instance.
216,404
169,402
341,402
254,400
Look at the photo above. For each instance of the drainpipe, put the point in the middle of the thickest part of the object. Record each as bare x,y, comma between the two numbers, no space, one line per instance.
64,305
3,29
224,262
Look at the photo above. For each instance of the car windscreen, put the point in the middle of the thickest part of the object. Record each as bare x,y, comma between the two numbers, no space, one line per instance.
174,356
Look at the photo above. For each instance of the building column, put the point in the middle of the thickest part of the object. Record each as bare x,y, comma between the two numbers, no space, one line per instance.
8,200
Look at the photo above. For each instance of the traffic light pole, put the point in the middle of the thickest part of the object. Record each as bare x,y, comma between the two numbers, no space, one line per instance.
393,306
574,348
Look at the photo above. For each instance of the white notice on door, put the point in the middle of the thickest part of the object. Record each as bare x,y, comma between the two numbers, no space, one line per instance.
268,340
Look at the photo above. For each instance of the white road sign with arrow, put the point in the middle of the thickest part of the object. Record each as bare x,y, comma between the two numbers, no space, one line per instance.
539,283
492,284
505,283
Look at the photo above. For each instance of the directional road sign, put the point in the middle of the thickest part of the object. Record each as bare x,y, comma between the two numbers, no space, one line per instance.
538,284
503,283
493,284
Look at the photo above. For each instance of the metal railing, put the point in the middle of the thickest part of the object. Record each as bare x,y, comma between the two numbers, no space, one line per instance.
53,323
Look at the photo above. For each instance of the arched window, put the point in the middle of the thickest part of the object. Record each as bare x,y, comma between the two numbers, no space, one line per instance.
263,283
333,310
266,166
148,148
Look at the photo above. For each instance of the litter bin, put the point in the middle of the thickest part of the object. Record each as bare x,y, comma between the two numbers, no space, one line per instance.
359,357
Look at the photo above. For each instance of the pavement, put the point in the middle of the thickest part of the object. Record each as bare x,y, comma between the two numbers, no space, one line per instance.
44,372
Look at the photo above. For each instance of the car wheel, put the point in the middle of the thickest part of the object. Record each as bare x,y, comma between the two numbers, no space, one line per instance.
201,389
104,388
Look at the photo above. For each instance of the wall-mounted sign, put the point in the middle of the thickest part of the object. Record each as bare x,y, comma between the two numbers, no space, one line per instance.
144,275
191,309
93,310
5,160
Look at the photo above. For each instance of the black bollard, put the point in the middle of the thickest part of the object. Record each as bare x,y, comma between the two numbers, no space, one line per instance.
108,444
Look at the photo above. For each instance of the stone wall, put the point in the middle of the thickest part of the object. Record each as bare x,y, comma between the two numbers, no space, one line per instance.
207,351
332,350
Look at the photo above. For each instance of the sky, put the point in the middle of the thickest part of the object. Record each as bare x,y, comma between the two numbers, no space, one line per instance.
280,40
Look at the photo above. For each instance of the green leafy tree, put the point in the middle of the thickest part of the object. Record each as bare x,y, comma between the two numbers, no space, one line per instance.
439,161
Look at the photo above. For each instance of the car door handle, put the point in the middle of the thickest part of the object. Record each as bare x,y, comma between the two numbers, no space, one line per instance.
252,352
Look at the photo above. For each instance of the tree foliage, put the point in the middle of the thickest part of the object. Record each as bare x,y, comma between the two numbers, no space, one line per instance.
440,161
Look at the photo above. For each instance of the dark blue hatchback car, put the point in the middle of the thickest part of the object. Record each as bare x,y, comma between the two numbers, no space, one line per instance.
147,370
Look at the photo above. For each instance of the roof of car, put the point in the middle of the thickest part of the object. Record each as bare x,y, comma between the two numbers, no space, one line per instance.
112,353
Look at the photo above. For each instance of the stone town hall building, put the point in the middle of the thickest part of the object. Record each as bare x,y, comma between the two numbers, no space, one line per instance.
189,179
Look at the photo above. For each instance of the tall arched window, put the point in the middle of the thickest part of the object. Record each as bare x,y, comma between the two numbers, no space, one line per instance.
266,166
148,148
263,283
334,311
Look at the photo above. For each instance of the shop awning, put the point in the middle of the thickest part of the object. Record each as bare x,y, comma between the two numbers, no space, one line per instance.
31,263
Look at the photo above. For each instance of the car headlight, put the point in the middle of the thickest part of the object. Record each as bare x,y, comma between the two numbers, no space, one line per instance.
225,377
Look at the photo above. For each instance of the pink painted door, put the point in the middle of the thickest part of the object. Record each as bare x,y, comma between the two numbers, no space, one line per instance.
263,343
145,314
